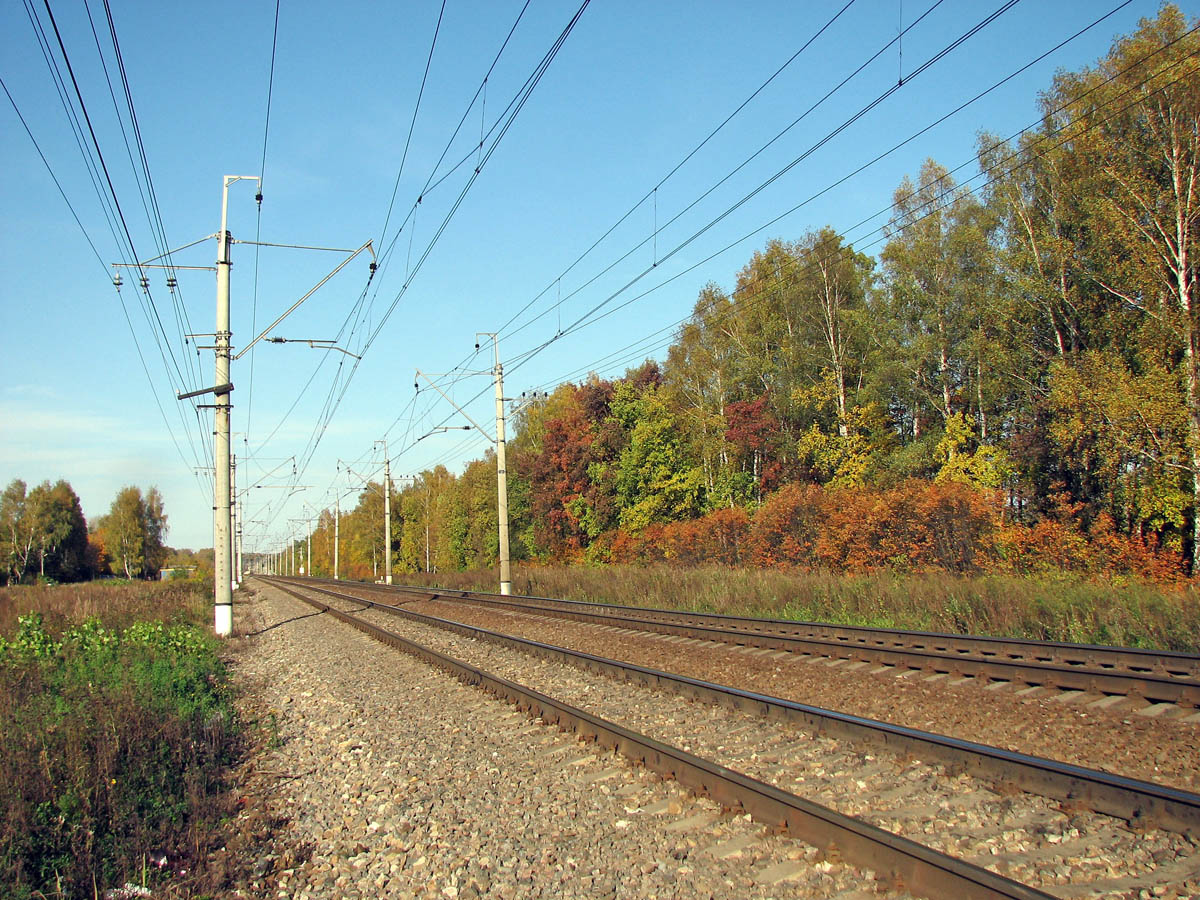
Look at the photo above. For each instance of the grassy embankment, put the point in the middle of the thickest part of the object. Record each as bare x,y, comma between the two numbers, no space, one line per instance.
1073,609
115,725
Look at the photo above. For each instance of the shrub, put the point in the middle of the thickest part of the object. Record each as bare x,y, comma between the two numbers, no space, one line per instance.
111,748
787,526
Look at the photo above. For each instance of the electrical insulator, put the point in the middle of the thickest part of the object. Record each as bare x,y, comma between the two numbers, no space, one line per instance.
172,283
145,283
117,281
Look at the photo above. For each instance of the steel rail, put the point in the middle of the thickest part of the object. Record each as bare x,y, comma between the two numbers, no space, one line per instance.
1138,802
907,864
1092,669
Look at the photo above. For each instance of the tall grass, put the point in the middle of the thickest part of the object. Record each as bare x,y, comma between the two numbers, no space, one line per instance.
114,733
115,603
1068,608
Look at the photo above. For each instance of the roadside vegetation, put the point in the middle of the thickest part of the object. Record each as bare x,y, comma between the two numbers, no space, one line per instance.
1065,608
116,725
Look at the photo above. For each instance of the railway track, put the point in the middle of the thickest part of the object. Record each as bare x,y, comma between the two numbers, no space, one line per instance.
957,801
1157,677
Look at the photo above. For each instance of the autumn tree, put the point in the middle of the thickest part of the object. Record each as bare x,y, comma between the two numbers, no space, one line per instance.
1132,123
134,530
657,480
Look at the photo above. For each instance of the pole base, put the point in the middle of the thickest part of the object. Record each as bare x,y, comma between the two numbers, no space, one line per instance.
223,619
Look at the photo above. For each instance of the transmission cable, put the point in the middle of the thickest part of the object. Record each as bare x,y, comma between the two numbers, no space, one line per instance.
262,172
745,298
412,124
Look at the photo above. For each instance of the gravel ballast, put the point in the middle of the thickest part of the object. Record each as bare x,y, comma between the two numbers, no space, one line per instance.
1043,723
1041,842
387,778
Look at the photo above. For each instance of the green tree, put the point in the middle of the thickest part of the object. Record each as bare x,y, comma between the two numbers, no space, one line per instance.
936,265
700,378
1132,121
134,531
834,283
59,529
656,480
18,532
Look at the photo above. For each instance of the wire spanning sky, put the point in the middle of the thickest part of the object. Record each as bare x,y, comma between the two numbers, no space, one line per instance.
567,174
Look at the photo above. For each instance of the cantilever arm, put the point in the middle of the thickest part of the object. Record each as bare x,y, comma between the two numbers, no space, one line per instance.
311,291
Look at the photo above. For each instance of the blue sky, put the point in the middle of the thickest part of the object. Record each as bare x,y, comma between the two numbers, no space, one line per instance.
634,89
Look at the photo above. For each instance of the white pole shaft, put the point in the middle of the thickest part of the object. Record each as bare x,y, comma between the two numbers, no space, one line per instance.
223,574
387,517
501,478
337,521
234,525
241,572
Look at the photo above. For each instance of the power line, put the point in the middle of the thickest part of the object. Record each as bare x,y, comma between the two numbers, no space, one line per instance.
745,299
262,172
503,123
679,165
413,123
520,359
108,200
103,266
582,321
823,141
87,237
356,311
148,196
165,343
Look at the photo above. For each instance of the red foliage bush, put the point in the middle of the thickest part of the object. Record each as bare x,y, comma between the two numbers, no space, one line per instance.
718,537
787,526
1061,545
919,526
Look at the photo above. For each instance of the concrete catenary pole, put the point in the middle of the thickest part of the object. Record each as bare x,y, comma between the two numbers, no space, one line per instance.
241,572
309,571
337,521
223,586
387,515
222,508
234,524
501,475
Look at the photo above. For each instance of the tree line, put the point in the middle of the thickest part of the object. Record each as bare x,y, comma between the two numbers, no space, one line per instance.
1022,356
44,535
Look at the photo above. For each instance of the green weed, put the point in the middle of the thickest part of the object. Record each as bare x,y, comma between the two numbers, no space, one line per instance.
113,740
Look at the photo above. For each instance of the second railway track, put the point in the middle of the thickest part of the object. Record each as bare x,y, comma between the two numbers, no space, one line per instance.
947,803
1158,677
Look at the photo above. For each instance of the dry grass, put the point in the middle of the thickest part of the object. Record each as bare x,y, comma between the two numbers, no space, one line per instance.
117,604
